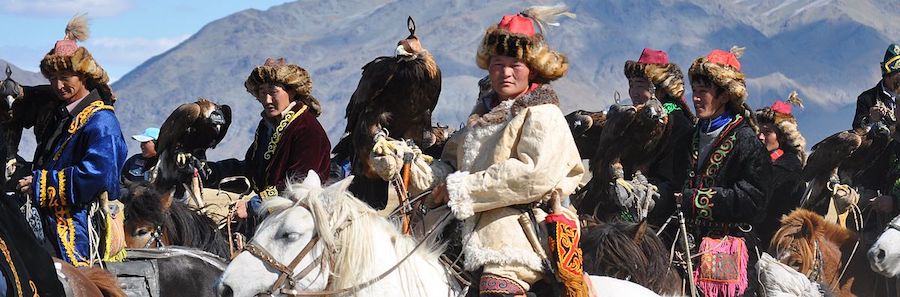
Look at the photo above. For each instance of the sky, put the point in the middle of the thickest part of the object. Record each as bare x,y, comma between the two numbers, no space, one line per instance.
124,33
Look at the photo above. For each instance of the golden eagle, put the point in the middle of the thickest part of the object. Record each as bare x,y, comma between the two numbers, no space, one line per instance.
842,157
586,128
630,140
187,133
396,94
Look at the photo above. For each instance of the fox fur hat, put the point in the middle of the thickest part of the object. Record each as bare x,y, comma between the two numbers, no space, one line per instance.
516,37
289,76
66,55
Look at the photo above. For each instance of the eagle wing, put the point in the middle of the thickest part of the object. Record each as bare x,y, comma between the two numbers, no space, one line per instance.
830,153
618,119
376,75
176,125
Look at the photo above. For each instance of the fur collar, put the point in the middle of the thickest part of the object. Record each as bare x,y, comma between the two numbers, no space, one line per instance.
481,116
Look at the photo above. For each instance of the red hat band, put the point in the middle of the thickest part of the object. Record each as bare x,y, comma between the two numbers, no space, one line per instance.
724,58
517,24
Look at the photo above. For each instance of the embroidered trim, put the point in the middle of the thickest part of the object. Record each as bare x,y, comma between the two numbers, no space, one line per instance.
65,228
669,107
724,145
271,191
42,193
34,289
79,122
495,284
15,275
288,118
703,203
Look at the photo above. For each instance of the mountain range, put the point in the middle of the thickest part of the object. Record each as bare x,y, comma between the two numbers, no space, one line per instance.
828,50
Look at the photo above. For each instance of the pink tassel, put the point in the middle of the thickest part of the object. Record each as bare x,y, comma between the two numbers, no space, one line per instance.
713,251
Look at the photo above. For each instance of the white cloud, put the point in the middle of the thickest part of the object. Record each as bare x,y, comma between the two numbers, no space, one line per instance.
53,8
118,55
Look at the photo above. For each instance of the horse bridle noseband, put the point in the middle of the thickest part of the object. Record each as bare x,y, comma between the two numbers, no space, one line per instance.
155,237
285,284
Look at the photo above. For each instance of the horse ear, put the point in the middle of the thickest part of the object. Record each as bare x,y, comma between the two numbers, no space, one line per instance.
807,229
639,232
344,184
312,179
166,199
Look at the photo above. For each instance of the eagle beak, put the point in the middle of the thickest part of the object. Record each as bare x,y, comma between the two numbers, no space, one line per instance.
401,51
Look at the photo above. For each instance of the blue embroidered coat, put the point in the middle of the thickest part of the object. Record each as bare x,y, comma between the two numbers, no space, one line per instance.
74,166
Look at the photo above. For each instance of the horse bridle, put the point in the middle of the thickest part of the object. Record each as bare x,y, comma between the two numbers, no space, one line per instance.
285,284
894,224
155,237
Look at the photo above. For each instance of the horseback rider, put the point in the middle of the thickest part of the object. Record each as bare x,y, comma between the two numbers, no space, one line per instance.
79,154
289,139
514,151
138,165
728,178
886,92
787,150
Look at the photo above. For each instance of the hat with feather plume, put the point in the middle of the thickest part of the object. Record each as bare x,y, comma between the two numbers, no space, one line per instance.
66,55
515,36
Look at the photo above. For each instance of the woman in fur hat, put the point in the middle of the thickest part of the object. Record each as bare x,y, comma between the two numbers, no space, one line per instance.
80,153
515,150
787,150
289,139
727,188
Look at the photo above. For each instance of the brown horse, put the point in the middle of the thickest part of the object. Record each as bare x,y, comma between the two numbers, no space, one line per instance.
822,251
153,219
630,251
88,281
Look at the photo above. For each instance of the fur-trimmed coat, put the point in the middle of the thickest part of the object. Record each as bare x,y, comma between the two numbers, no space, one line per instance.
510,155
787,191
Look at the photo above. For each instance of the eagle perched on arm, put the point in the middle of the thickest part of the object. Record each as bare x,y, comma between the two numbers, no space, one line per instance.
396,94
192,128
631,138
842,157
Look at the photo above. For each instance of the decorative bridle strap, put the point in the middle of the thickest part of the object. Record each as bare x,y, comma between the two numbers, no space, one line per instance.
894,224
287,272
155,237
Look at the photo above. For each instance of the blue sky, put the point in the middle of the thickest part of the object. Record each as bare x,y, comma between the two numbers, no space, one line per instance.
124,33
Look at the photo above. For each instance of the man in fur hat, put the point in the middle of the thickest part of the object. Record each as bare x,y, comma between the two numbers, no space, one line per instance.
877,104
80,153
787,150
515,150
289,139
728,179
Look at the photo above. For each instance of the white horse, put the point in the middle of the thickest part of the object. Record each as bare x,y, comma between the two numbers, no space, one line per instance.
330,243
884,255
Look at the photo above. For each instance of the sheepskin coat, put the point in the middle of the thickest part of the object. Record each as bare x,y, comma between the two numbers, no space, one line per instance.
509,158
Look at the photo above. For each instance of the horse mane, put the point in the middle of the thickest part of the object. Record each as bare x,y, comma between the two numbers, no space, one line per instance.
803,221
347,225
626,250
105,281
183,224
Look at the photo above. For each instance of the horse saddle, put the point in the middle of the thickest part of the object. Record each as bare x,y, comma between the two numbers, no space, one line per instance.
138,276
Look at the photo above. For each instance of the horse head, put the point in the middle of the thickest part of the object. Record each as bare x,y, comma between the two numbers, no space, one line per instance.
796,243
295,222
884,255
146,209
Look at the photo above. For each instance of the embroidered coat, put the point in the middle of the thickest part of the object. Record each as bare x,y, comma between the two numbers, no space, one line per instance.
78,159
508,157
294,146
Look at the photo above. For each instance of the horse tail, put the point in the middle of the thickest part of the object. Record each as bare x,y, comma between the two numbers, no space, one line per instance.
105,281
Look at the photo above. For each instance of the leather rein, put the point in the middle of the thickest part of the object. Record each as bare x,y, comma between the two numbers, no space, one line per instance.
286,282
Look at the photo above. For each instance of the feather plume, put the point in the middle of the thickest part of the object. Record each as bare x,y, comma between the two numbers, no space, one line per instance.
794,99
737,51
545,15
77,29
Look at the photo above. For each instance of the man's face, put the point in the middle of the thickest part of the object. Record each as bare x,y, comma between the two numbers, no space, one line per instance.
707,100
68,86
148,149
509,76
639,90
892,82
768,136
274,99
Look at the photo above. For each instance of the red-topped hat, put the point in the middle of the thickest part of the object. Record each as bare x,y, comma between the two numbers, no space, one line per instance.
724,58
652,56
65,47
517,24
782,107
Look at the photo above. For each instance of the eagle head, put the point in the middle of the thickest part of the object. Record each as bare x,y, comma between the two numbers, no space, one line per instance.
410,47
652,111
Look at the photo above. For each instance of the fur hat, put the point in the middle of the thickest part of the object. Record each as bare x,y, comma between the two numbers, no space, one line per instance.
289,76
781,116
654,65
891,61
724,70
67,55
515,37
